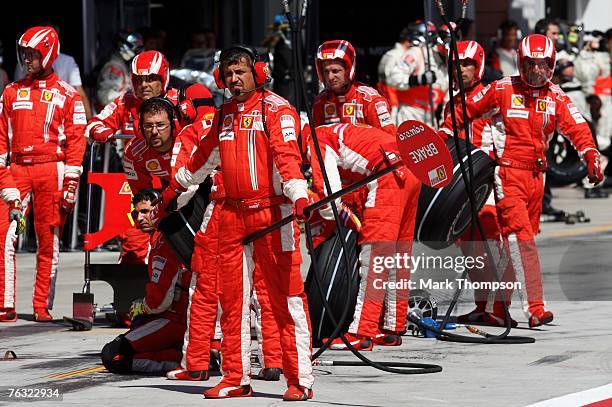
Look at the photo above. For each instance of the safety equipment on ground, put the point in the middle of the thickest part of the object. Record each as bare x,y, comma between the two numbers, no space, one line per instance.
536,46
259,66
44,40
336,49
451,202
151,63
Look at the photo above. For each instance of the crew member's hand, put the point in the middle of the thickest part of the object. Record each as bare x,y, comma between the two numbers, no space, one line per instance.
426,78
101,133
15,214
138,308
70,192
163,206
594,170
298,210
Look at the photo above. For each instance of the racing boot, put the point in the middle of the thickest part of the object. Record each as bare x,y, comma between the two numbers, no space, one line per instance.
540,317
297,393
387,338
498,316
8,315
189,375
225,390
477,315
269,374
361,343
42,315
494,319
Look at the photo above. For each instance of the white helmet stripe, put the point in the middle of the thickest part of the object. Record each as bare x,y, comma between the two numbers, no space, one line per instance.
525,46
548,51
38,38
155,64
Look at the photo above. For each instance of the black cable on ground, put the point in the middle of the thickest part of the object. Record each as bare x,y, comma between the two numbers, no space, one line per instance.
392,367
453,63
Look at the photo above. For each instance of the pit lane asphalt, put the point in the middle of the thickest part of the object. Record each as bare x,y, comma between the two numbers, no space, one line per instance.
571,355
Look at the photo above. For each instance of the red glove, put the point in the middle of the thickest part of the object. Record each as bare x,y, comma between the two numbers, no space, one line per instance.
298,210
594,171
101,133
70,192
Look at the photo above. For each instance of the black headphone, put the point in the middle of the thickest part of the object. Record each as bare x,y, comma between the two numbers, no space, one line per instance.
169,108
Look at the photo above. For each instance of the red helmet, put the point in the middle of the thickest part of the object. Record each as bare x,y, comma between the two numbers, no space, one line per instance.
536,46
336,49
151,63
196,101
43,40
472,50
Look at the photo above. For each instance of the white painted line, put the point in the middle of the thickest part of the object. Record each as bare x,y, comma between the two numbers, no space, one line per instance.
578,399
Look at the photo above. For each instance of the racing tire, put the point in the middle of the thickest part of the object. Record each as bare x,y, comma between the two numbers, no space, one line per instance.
564,164
444,214
332,266
179,228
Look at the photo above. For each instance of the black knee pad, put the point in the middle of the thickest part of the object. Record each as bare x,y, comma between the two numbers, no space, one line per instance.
117,355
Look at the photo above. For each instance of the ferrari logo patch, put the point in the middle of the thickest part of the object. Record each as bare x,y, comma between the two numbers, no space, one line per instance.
46,96
349,110
247,122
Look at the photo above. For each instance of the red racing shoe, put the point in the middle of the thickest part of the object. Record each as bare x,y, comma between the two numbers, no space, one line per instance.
225,390
360,343
42,315
540,317
189,375
297,393
498,320
8,315
387,338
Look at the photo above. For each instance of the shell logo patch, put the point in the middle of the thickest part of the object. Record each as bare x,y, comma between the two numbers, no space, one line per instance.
518,101
23,94
153,165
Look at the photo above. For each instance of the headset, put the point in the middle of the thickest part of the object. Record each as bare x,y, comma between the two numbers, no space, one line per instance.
259,66
170,109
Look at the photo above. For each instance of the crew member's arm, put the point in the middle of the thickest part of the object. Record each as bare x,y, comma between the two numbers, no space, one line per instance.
572,125
484,103
378,115
330,154
74,129
8,189
102,126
